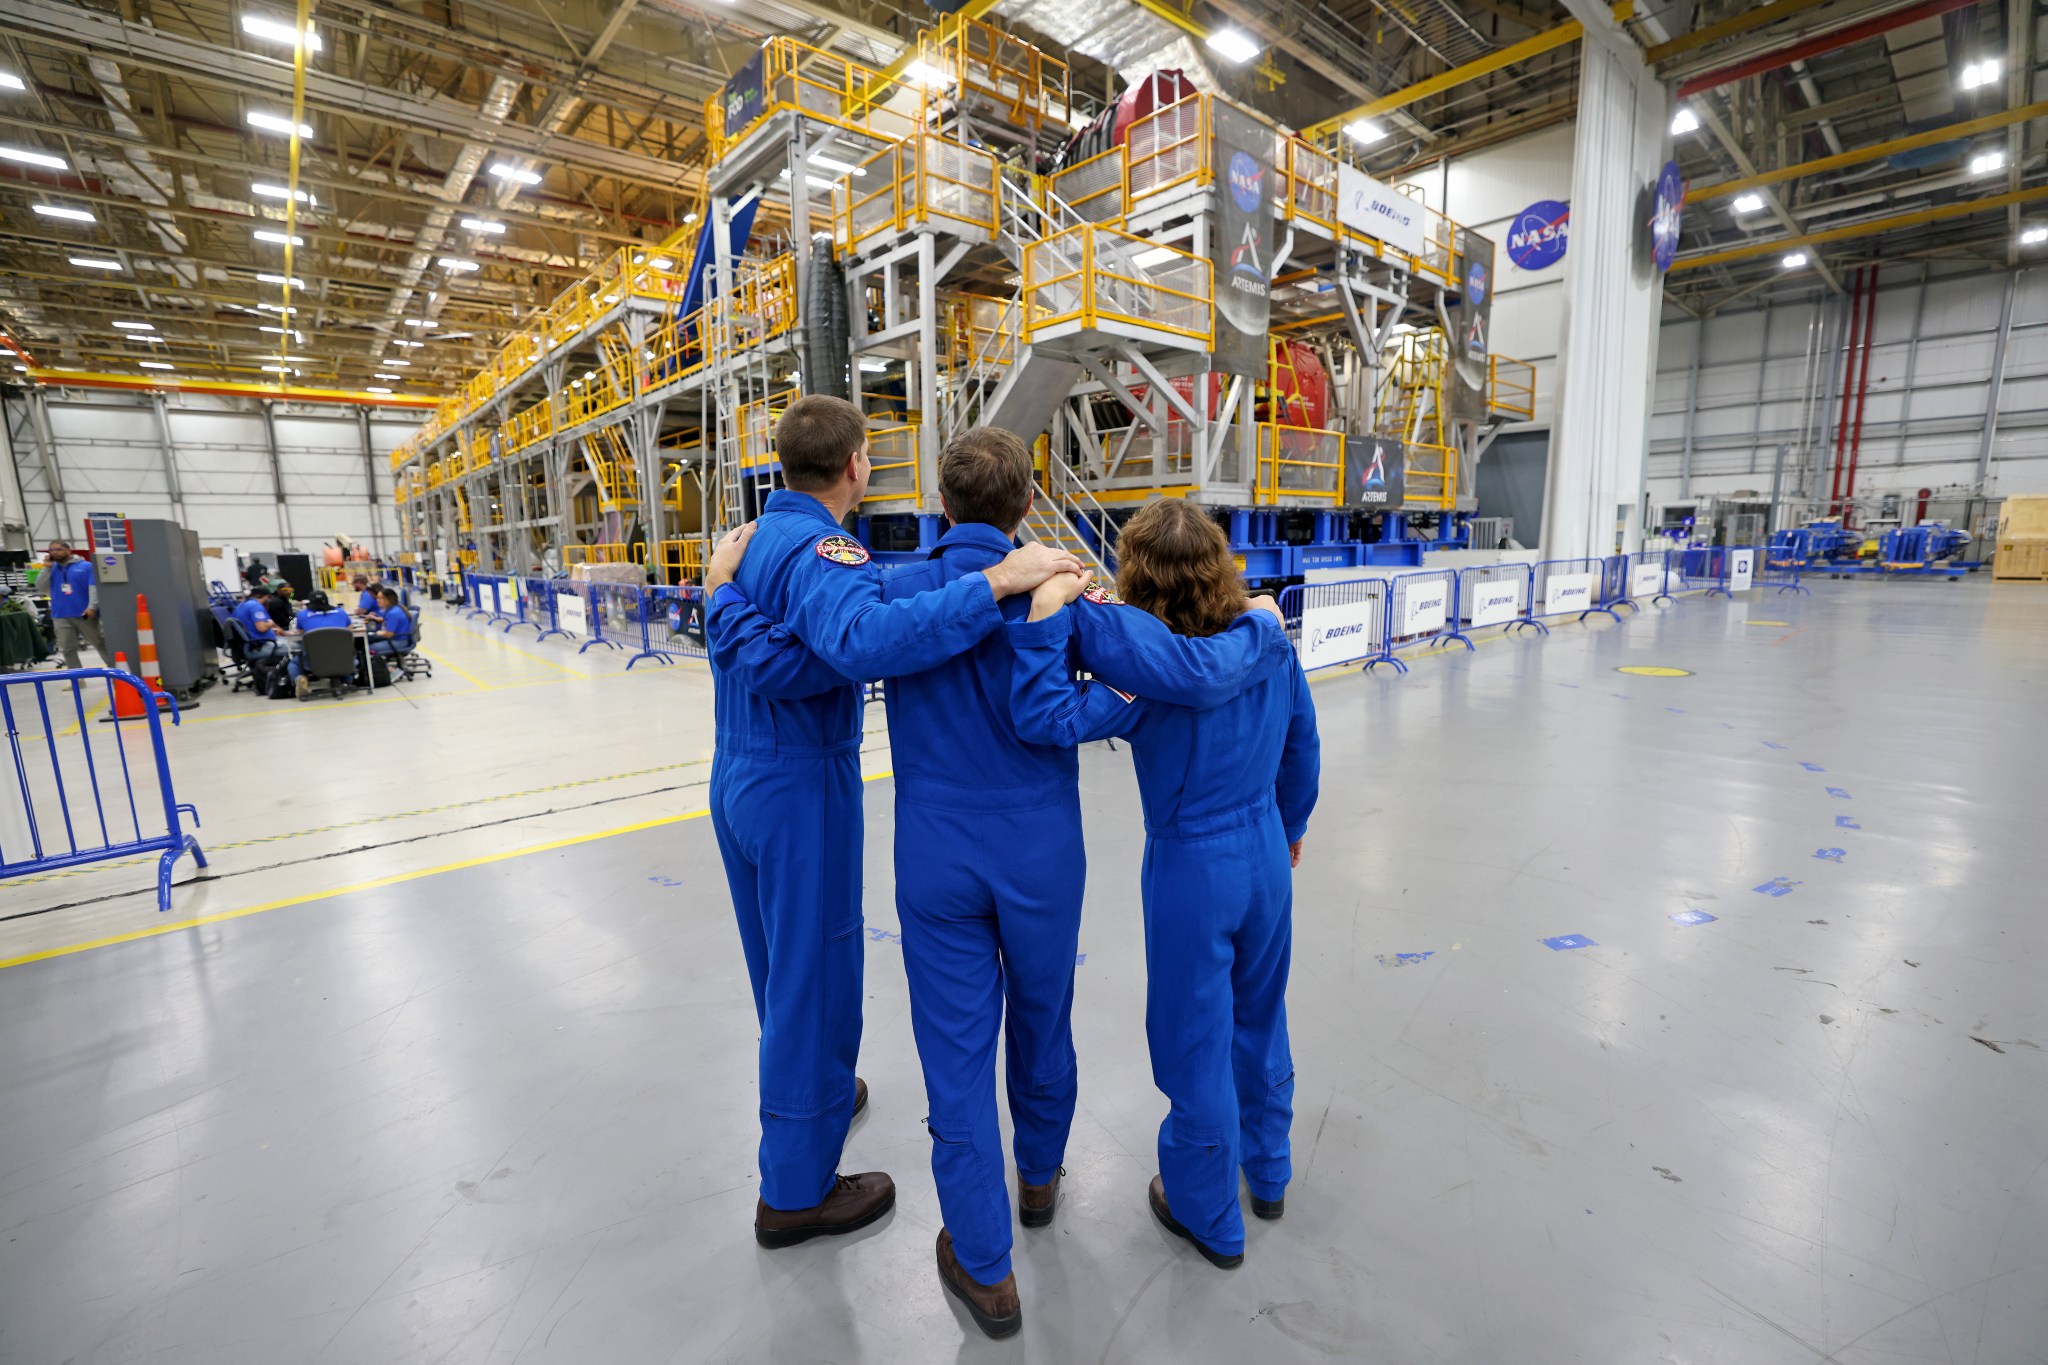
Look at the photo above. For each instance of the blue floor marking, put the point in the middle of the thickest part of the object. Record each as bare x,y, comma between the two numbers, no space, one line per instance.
1692,917
1564,941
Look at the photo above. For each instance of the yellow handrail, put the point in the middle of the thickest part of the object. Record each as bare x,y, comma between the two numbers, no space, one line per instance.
1299,463
1510,386
1089,273
825,87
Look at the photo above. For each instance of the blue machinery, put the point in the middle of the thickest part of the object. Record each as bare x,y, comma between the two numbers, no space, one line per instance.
70,794
1929,550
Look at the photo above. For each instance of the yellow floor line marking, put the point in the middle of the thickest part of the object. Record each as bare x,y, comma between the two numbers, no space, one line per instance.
443,661
157,930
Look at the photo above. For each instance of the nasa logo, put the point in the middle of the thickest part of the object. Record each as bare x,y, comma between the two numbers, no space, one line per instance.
1539,234
1246,178
1665,223
1475,283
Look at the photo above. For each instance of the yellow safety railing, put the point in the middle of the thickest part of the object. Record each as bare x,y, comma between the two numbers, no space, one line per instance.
822,86
682,559
601,389
606,552
762,307
994,76
1432,474
611,464
530,426
1168,147
1309,177
1094,188
892,458
1090,274
917,181
976,333
757,421
1301,464
1510,386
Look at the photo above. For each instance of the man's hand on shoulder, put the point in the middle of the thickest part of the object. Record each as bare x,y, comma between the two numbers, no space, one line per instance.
1056,592
725,559
1024,569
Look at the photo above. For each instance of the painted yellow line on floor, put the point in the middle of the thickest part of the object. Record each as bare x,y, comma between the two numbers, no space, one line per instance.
443,661
157,930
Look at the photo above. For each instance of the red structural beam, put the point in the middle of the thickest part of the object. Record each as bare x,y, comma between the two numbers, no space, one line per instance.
1814,46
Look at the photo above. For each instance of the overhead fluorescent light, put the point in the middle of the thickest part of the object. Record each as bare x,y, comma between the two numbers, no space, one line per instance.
279,238
10,81
484,225
455,336
295,282
1684,121
58,211
1747,203
136,326
927,75
689,218
1986,162
275,308
1793,260
408,343
1980,73
96,263
505,170
1157,256
873,366
458,265
278,31
291,332
1364,131
376,388
843,167
390,376
275,369
280,192
277,123
816,182
1233,45
29,158
419,322
662,263
2034,236
397,364
157,365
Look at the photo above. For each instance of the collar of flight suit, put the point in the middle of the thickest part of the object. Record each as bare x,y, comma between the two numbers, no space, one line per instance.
790,500
978,534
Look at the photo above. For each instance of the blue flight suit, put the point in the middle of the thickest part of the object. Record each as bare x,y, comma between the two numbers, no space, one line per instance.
786,808
990,869
262,642
1225,791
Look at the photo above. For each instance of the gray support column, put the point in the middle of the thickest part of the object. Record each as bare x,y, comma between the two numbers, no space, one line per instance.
1996,393
14,526
1692,408
1607,355
1912,366
46,450
1763,375
284,527
370,481
161,407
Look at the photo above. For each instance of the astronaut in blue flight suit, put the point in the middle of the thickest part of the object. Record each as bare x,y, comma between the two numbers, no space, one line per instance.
990,863
1227,794
786,798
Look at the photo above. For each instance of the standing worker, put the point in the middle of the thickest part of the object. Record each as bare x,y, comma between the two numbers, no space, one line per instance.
1227,794
786,799
74,604
990,862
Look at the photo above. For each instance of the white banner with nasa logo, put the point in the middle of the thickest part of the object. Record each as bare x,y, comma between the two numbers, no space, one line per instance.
1741,570
1424,606
1495,603
1337,633
571,614
1365,205
1563,592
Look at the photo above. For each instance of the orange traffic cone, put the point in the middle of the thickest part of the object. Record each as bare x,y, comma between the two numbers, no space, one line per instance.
128,703
145,637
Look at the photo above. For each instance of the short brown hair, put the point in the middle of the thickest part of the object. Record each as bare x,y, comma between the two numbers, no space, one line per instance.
817,435
1175,562
985,476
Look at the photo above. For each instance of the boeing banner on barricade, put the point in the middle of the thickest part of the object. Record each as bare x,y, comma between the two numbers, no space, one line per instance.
1495,603
1647,579
1741,570
571,613
1425,606
1563,592
1337,633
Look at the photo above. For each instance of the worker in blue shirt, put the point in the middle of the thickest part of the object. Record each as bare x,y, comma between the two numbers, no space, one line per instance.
366,596
1227,794
990,864
320,614
786,798
391,633
74,604
254,615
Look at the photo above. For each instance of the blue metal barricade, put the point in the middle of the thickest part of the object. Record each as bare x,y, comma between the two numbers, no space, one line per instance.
1722,569
544,608
1495,595
1614,586
1421,609
615,617
1646,576
672,624
1780,569
1341,622
1568,587
67,775
489,590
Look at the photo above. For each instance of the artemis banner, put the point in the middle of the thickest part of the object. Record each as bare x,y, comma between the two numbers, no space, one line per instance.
1242,250
1376,468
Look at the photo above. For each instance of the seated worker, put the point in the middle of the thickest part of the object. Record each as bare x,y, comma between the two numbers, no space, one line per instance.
392,631
320,614
366,596
254,614
279,603
1227,794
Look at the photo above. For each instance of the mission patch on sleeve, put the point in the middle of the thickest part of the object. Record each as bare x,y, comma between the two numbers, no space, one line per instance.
843,550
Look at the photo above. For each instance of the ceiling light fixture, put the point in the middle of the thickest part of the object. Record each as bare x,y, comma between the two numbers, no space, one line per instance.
277,31
1986,162
689,218
1233,45
505,170
277,123
58,211
419,322
96,263
1684,121
2034,236
397,364
295,282
1981,73
1747,203
843,167
29,158
280,192
1794,260
484,225
376,388
157,365
927,75
275,308
458,265
278,238
10,81
136,326
1364,131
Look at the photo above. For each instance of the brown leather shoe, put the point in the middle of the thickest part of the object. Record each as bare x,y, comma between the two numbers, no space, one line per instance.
860,1096
1172,1225
995,1307
1035,1203
853,1202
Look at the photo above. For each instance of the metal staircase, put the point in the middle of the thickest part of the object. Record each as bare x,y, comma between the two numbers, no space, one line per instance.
1067,515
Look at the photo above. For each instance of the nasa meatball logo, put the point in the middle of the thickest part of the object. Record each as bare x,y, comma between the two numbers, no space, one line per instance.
843,550
1475,283
1246,178
1539,235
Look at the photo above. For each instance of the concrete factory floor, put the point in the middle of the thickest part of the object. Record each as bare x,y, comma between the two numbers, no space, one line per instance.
505,1110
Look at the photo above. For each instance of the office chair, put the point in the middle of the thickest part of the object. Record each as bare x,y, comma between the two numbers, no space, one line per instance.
328,656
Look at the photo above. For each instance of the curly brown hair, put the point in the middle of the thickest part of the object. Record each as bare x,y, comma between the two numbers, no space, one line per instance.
1174,562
